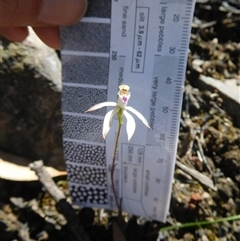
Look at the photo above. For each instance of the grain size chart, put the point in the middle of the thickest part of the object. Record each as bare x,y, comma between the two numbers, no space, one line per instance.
143,44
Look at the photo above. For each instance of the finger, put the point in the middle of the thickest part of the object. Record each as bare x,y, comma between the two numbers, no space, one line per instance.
49,35
41,12
16,34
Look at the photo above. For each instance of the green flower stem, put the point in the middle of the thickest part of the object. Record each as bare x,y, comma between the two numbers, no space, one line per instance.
192,224
120,116
120,123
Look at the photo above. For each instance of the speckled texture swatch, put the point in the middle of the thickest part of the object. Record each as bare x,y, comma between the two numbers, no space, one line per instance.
85,69
81,194
78,99
83,153
87,175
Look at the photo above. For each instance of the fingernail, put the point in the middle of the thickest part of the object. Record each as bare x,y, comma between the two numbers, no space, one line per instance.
62,12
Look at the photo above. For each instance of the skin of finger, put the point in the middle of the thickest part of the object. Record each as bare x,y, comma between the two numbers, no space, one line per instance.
49,35
62,12
19,13
41,12
16,34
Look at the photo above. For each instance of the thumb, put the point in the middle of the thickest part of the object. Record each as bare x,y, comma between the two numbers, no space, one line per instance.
41,12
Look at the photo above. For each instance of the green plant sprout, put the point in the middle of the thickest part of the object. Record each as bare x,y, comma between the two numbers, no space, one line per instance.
194,224
121,109
199,223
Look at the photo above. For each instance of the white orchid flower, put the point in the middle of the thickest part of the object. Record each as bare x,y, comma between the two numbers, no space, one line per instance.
121,108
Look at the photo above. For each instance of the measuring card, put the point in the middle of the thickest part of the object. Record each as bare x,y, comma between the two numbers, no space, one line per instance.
144,44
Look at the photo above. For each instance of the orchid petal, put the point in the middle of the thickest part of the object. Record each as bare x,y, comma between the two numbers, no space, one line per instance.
108,121
100,105
131,125
139,115
115,110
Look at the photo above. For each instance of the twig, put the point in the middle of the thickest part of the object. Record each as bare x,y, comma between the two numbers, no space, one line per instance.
22,228
203,156
16,168
197,175
63,206
46,180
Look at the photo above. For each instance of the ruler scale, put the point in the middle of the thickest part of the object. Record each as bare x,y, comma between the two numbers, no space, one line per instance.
143,44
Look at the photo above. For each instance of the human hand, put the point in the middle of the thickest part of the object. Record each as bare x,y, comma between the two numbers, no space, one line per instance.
44,16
